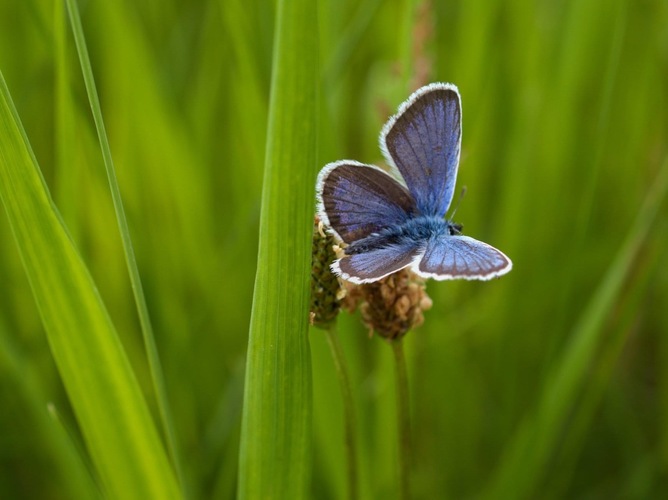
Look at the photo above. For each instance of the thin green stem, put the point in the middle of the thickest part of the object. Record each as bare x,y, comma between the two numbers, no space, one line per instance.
133,271
348,410
405,41
403,419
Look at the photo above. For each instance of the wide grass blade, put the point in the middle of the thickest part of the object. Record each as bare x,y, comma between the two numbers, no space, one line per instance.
102,388
275,455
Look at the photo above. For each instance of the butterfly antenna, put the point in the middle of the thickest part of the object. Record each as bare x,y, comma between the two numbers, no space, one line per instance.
461,197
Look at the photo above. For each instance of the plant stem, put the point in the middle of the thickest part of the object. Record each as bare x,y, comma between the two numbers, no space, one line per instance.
348,410
403,419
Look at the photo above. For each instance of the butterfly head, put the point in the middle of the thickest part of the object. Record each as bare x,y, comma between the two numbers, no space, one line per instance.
454,228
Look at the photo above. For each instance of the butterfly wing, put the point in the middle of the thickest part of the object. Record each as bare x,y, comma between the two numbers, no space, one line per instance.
461,257
375,264
356,200
423,141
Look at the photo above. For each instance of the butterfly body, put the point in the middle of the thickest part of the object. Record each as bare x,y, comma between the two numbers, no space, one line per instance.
391,221
415,229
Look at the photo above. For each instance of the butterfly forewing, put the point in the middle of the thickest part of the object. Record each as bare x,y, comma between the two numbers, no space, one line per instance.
423,141
461,257
356,200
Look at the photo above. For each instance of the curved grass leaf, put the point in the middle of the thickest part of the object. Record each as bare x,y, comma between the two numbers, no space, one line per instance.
275,450
102,388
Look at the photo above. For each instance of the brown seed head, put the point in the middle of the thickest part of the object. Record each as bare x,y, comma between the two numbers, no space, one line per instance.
326,290
391,306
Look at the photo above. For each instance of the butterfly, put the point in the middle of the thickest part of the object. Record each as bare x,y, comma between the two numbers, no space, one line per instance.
388,222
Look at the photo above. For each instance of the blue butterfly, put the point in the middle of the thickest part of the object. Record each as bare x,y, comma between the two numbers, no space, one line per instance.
391,222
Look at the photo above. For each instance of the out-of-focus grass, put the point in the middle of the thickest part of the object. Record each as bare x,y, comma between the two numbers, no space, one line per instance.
565,128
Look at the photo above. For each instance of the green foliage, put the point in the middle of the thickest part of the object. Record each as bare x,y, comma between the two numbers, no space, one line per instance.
135,280
104,393
551,382
275,454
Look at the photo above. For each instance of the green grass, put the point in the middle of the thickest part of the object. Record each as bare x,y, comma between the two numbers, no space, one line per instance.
105,395
551,382
275,452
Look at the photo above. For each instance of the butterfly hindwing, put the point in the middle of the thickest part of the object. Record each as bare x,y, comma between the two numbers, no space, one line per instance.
356,200
460,257
377,263
423,141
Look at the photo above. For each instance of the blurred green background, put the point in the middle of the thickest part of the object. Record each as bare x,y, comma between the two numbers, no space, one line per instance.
551,382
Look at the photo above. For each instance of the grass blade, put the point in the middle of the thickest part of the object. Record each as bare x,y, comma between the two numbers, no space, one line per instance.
102,388
275,450
135,279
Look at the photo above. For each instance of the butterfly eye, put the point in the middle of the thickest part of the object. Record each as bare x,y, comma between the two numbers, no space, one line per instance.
454,228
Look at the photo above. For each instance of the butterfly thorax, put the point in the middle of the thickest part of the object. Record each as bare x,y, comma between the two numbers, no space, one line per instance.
418,230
